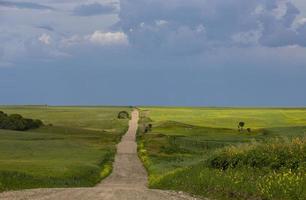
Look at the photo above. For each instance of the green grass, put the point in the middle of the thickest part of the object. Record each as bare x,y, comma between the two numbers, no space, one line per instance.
77,150
229,117
178,150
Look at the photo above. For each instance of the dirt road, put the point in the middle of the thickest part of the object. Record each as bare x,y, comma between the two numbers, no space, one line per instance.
128,180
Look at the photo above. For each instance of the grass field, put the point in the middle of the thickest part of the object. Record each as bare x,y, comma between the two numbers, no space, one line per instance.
76,150
201,151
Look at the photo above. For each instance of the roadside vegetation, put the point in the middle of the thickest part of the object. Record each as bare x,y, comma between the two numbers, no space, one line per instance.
210,153
75,148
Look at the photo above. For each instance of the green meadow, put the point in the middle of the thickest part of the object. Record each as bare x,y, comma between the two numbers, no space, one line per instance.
201,151
76,147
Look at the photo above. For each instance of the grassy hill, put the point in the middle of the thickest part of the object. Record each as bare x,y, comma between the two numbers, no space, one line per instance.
185,149
75,148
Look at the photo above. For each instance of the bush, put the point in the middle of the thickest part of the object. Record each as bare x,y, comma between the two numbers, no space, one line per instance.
274,154
17,122
150,126
2,113
123,115
240,126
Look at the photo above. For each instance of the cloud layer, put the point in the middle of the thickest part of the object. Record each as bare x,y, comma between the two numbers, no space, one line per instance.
174,27
195,52
25,5
271,23
94,9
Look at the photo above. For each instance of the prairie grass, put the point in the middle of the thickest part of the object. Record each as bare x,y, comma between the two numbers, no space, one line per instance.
76,151
230,117
200,151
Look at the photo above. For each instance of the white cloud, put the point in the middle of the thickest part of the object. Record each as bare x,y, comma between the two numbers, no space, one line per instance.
45,39
302,21
108,38
161,22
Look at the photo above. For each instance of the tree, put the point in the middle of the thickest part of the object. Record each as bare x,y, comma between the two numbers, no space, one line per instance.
123,115
17,122
150,126
240,126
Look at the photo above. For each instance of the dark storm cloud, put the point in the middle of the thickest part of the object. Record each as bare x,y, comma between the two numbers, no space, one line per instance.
269,22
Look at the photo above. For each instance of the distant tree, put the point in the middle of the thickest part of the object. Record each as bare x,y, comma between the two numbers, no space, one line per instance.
249,130
240,126
123,115
150,126
17,122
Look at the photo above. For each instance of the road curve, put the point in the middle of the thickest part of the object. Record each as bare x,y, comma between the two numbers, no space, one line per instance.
128,180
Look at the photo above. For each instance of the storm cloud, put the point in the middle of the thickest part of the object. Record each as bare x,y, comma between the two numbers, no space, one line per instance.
165,52
212,23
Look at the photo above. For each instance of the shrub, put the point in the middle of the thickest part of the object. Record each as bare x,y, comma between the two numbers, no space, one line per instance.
146,130
123,115
273,154
17,122
2,114
150,126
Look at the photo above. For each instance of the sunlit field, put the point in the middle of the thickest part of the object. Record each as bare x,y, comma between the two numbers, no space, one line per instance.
74,148
201,151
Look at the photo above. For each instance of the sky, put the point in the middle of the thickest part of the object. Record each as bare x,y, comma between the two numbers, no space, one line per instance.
153,52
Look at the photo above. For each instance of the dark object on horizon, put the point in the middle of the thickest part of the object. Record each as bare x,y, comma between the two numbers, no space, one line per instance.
123,115
17,122
249,130
240,126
